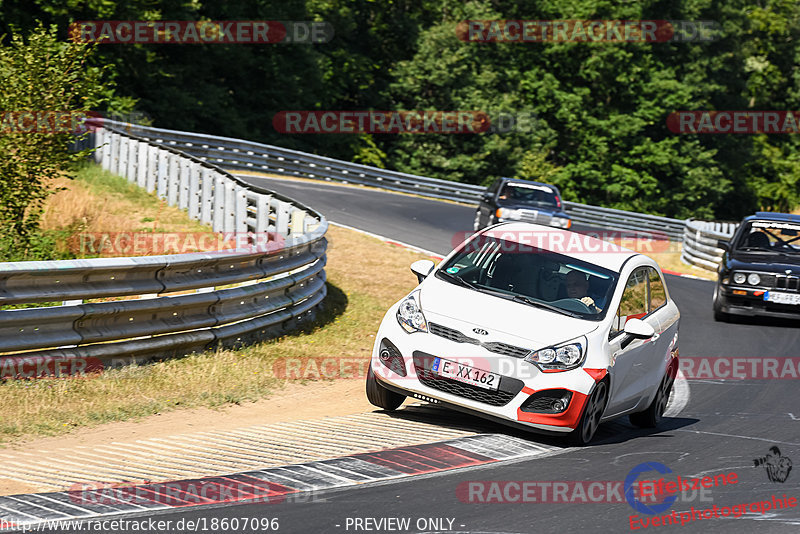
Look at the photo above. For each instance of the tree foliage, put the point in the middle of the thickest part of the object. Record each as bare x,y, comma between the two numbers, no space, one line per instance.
39,74
600,109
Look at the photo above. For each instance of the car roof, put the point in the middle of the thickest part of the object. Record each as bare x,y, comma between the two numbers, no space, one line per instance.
773,216
584,247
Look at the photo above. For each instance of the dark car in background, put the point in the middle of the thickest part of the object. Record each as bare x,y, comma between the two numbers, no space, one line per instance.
760,269
521,200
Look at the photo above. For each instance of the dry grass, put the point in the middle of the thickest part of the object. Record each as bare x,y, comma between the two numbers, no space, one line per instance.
98,203
359,294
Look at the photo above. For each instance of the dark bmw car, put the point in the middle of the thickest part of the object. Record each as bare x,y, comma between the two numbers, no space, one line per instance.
760,270
521,200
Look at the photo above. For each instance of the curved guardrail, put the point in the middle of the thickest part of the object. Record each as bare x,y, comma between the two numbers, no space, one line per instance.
700,242
182,307
246,155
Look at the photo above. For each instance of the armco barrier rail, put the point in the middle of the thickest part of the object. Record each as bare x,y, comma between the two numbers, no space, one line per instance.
182,307
246,155
700,242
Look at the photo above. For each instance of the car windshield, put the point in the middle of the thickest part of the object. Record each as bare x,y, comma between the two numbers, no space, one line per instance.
532,276
529,193
770,236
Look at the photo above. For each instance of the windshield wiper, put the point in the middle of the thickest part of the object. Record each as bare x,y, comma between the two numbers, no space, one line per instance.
458,280
751,249
539,304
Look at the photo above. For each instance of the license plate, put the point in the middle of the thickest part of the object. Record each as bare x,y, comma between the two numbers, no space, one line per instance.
466,374
782,298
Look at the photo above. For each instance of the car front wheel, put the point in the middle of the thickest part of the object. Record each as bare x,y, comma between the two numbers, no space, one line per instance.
380,396
719,315
591,415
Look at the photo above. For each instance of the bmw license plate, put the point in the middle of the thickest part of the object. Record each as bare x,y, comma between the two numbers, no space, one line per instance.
782,298
466,374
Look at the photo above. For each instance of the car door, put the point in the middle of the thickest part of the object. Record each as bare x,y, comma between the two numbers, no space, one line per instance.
632,362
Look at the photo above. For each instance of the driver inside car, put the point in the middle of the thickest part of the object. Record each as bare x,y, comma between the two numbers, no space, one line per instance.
578,288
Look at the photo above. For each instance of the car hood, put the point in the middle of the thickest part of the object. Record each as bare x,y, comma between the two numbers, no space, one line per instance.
500,316
764,262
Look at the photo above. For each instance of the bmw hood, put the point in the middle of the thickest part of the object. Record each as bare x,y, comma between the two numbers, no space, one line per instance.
499,316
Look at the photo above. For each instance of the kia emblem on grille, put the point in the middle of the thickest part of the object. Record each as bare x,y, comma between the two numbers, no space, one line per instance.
480,331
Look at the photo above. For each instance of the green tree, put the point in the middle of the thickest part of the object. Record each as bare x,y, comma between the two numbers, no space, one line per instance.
39,73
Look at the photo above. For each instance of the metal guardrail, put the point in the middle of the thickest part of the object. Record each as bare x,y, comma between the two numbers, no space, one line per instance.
246,155
700,242
182,307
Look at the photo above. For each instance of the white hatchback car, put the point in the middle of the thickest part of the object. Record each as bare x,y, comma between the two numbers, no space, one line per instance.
533,326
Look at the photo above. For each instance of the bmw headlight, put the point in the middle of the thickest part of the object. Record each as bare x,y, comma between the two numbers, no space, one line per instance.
739,278
561,222
410,316
562,357
753,279
505,213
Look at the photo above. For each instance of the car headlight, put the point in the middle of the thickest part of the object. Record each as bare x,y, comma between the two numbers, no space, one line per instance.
562,357
753,279
561,222
505,213
410,316
739,278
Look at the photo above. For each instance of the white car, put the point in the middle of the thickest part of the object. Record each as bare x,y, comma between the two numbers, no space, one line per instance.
534,326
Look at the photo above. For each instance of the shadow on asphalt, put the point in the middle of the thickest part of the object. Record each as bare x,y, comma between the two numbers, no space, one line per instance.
611,432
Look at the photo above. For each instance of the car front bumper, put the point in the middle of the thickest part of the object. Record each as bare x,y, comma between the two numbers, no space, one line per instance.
519,380
752,304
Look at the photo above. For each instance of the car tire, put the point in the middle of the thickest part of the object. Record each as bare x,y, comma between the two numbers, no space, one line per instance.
380,396
719,315
592,413
652,416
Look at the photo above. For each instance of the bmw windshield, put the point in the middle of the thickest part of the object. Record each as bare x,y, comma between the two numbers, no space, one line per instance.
532,276
770,237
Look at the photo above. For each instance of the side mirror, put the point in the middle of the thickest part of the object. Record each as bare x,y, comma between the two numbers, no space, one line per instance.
724,245
639,329
636,329
488,197
422,268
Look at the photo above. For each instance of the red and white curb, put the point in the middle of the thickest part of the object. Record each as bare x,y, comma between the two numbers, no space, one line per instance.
272,485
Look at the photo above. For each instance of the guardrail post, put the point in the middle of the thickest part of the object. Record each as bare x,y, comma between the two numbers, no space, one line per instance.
194,191
183,184
152,168
241,211
120,153
161,178
297,222
218,210
262,214
172,179
142,150
130,163
229,224
282,217
206,192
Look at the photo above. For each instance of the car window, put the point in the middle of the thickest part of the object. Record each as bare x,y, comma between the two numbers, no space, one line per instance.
506,268
634,303
770,236
540,194
658,296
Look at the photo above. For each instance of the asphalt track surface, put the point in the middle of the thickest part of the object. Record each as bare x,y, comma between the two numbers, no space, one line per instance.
723,428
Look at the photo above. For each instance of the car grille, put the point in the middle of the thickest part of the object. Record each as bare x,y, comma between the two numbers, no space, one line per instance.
790,283
535,217
508,388
492,346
